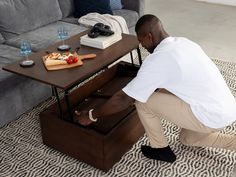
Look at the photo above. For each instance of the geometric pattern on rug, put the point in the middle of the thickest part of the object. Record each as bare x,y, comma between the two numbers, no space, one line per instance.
22,153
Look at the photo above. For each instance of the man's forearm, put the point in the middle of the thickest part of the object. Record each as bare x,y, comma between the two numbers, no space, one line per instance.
118,102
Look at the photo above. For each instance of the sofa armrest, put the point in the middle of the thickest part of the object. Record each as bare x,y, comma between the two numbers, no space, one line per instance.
136,5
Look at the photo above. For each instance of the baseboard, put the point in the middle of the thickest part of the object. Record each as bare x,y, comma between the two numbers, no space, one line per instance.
224,2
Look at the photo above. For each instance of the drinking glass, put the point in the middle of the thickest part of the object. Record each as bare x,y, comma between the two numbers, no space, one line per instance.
26,50
63,34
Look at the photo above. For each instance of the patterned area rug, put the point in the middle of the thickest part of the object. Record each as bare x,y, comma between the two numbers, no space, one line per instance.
22,153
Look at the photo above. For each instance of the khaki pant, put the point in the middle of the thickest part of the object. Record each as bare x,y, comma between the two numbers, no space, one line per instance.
175,110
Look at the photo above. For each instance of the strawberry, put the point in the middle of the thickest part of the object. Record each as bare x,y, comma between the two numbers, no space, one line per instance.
70,60
75,60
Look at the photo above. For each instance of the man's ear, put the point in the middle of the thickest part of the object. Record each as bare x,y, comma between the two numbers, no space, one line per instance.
150,37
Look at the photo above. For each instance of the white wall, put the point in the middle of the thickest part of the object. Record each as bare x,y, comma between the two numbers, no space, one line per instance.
226,2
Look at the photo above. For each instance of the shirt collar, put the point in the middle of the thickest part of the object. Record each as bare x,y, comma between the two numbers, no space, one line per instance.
163,42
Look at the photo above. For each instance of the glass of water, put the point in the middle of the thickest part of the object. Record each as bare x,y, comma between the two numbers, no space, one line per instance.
26,50
63,34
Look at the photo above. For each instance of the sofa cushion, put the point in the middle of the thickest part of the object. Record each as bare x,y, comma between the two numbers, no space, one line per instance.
13,14
71,19
12,53
18,94
130,16
1,39
8,54
83,7
45,36
115,4
67,7
132,31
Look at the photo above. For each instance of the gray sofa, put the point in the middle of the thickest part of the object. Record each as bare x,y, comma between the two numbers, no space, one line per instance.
37,22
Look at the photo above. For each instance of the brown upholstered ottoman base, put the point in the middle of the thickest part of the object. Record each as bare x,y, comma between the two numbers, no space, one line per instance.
101,145
99,150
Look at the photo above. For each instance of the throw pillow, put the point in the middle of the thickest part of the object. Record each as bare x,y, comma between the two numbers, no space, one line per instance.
116,4
83,7
67,7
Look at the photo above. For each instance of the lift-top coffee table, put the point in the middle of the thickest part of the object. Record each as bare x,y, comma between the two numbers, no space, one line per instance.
102,144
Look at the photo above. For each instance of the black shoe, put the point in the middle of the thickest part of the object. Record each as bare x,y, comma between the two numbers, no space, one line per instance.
164,154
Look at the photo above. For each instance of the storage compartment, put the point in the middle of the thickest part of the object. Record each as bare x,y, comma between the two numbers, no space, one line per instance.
103,143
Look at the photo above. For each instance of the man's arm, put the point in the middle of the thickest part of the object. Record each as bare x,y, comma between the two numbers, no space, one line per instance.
118,102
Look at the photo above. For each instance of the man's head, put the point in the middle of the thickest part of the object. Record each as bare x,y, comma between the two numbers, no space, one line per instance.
150,32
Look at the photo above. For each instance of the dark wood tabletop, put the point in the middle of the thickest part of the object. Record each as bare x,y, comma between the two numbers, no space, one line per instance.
66,78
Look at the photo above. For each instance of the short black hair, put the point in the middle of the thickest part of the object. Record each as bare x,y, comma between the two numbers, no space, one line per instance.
145,19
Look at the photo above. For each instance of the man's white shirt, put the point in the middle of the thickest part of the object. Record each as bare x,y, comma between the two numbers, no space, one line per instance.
181,67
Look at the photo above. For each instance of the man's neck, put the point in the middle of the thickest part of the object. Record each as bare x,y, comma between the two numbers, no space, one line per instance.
161,38
164,35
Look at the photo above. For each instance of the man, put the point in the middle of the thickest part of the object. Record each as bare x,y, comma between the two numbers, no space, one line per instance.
192,94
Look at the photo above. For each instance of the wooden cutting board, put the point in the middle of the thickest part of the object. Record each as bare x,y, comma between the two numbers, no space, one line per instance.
53,64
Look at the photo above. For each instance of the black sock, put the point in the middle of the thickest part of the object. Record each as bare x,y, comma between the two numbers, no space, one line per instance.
163,154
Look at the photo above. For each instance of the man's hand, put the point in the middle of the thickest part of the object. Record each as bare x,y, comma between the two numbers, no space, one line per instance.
118,102
82,118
